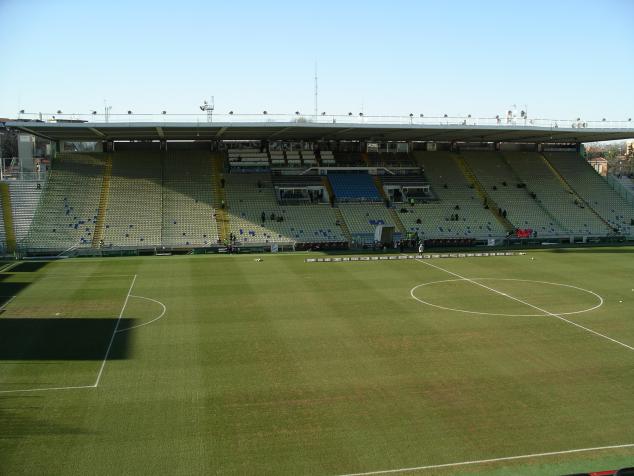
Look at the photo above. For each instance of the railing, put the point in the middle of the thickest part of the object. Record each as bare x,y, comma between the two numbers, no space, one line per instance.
350,118
24,176
620,188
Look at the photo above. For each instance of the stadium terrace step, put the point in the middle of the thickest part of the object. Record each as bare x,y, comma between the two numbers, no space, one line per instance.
486,199
595,191
564,183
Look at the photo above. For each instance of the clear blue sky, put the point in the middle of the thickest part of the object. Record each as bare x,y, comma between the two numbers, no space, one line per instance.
562,58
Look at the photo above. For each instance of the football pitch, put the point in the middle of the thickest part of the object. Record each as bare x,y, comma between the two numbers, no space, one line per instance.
201,364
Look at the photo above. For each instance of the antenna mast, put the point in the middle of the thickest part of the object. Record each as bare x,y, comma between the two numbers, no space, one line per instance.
209,108
316,93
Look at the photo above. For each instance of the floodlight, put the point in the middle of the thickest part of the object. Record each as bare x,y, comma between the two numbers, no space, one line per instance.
163,112
411,115
324,113
231,113
129,112
21,111
360,114
422,115
297,113
59,111
350,114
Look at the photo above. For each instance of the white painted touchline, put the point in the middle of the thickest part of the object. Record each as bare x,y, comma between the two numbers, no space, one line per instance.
492,460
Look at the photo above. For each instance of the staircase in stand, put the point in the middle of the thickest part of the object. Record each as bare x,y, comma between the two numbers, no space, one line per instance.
222,217
397,221
331,193
486,199
103,203
343,225
7,213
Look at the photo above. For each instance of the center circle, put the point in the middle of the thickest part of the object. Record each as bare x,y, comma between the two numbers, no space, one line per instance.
558,287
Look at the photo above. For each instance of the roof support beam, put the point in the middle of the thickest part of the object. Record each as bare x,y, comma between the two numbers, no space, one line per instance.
220,132
278,133
39,134
99,133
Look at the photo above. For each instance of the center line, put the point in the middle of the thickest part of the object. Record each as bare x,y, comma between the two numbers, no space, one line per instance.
528,304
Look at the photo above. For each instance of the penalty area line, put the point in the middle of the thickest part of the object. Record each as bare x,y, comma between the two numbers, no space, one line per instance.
491,460
548,313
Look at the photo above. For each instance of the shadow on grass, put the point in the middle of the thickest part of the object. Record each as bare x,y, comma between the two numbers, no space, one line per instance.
62,339
626,249
29,266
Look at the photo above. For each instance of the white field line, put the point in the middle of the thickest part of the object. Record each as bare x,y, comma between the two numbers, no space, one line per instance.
492,460
529,305
7,302
45,389
114,333
149,322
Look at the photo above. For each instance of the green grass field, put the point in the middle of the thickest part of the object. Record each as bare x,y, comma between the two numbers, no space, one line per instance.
225,365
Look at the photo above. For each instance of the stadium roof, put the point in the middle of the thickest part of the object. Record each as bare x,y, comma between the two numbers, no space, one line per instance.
93,131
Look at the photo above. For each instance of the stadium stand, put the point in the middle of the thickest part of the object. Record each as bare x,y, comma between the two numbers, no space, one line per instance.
456,198
248,159
390,159
353,187
348,159
69,205
188,211
363,218
136,179
562,203
594,190
326,158
25,197
256,217
519,203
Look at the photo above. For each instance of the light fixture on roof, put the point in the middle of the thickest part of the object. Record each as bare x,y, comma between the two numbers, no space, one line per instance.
94,113
59,111
469,116
231,113
163,112
629,120
360,114
411,115
603,119
129,112
297,113
445,115
21,111
350,114
422,115
264,112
